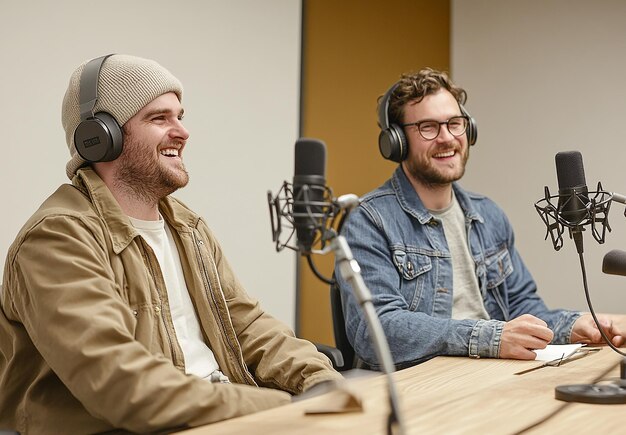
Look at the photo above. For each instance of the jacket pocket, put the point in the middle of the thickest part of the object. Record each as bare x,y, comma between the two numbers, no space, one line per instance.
412,268
498,268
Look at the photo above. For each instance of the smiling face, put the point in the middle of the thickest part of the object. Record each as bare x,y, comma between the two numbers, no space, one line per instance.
151,166
440,161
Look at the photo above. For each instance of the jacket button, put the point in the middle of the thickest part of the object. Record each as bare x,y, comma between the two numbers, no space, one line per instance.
157,309
135,313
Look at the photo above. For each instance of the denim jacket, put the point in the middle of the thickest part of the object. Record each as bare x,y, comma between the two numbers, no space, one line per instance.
406,264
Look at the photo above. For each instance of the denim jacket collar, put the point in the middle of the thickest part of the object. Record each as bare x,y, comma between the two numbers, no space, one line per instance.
412,204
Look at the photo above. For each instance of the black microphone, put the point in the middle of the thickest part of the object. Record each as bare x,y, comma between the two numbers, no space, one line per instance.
614,262
308,204
573,192
309,188
307,207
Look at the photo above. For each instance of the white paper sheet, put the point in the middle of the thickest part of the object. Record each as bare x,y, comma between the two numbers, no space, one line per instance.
556,351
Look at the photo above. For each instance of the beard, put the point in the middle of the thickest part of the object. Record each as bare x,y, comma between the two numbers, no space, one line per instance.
141,173
421,169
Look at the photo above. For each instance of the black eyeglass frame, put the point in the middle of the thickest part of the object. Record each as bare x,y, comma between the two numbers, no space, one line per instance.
419,123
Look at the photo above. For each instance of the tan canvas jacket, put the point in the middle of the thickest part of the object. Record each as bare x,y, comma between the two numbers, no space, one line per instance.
87,342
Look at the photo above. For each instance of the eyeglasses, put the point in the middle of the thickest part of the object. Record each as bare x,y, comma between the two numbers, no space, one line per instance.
429,128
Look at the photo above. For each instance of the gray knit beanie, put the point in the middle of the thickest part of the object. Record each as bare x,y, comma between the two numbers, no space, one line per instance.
126,85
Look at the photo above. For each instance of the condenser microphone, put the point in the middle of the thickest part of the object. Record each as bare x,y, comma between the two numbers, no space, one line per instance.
309,187
573,192
614,262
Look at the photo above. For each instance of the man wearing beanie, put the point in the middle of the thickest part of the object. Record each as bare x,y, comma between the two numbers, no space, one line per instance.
119,310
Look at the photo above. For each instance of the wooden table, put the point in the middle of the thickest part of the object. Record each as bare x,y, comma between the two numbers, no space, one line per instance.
453,395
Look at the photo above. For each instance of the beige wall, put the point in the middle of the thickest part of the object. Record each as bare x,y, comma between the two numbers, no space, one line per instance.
353,51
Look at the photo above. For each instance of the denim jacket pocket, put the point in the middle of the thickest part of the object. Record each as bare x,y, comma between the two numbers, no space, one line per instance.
412,268
498,267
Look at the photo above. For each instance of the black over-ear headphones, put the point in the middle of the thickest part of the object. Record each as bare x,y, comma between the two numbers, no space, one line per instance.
98,137
392,142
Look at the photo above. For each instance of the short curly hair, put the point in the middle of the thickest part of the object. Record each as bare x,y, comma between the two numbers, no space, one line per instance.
415,86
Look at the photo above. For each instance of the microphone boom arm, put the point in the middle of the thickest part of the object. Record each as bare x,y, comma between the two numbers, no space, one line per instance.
351,272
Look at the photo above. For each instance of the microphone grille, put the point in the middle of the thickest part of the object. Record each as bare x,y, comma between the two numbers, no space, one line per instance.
570,171
310,157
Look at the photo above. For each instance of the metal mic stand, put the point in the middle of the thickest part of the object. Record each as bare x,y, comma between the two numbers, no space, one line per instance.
596,210
348,268
351,272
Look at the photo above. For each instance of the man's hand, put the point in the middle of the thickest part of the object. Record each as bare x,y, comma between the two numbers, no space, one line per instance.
585,329
523,334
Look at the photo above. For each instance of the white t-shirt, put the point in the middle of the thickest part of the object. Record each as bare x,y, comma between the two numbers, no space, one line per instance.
199,359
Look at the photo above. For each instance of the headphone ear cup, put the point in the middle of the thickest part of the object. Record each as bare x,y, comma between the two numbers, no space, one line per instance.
99,139
472,129
392,143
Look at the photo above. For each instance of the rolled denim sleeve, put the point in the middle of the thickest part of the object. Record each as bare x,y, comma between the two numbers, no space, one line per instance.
485,339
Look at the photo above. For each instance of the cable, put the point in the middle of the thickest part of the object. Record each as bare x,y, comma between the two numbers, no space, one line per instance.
321,277
593,314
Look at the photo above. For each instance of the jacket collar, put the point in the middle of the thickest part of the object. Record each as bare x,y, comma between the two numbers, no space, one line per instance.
412,204
116,221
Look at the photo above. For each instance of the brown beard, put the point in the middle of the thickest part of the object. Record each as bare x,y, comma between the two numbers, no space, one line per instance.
425,173
141,175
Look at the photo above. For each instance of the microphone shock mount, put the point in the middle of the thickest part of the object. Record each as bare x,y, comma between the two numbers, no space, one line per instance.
595,214
287,211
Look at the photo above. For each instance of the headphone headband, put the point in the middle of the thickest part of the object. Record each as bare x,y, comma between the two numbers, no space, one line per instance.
89,86
383,108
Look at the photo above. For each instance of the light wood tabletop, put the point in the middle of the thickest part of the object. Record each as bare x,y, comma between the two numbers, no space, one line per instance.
454,395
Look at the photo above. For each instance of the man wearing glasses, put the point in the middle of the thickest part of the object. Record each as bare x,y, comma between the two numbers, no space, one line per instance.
440,262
